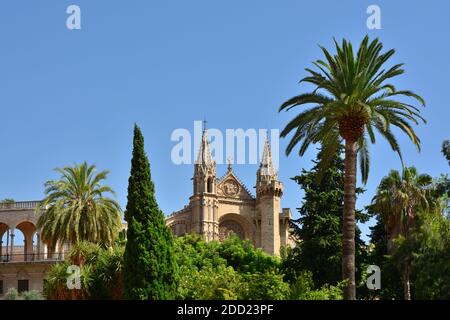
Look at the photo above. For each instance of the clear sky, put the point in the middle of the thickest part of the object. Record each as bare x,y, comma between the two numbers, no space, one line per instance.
69,96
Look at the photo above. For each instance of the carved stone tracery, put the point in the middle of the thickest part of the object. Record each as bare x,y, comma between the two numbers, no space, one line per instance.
228,227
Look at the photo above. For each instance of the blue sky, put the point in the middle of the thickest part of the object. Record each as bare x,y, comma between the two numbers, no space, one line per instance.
73,95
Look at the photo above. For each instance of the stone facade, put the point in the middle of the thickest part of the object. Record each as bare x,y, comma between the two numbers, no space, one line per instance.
24,265
221,206
24,276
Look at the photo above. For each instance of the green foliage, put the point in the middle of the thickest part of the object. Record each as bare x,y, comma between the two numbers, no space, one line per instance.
391,278
218,283
399,197
55,288
319,229
350,100
205,272
84,252
243,257
75,208
234,269
192,251
12,294
425,248
446,150
268,285
101,274
107,275
150,269
442,190
351,91
8,201
429,249
302,288
32,295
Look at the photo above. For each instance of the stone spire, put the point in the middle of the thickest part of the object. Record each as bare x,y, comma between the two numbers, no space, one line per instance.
204,168
266,167
204,157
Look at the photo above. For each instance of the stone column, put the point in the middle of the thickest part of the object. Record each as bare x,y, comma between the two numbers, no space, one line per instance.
38,244
12,244
25,248
45,253
29,245
7,245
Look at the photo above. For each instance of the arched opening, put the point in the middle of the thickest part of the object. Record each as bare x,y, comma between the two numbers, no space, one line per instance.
230,227
233,223
179,228
26,247
4,242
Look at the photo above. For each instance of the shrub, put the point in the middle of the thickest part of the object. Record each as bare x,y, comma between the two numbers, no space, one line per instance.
267,285
220,283
32,295
12,294
100,274
302,289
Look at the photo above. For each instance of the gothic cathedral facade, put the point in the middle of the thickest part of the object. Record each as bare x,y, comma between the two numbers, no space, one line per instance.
219,207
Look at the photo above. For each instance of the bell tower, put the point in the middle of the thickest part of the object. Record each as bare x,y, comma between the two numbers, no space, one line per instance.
204,201
268,195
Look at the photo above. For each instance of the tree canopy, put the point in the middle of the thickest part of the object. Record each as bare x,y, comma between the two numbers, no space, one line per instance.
76,209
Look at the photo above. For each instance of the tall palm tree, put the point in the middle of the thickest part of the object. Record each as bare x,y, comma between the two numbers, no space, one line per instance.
351,100
398,199
75,208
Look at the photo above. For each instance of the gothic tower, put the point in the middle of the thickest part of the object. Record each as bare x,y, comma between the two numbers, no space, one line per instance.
204,201
268,194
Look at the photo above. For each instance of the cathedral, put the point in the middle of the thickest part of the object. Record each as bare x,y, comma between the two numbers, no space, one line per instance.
222,206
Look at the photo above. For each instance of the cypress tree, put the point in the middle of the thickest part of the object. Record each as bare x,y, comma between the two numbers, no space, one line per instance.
150,269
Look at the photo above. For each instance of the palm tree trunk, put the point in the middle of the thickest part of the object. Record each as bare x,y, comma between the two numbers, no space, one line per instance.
348,227
407,268
407,283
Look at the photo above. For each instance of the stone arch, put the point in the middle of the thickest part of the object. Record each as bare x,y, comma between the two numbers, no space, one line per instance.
3,228
27,227
179,227
4,241
26,250
235,223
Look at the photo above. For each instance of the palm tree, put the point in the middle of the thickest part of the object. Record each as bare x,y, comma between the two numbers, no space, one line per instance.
75,208
350,100
398,199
